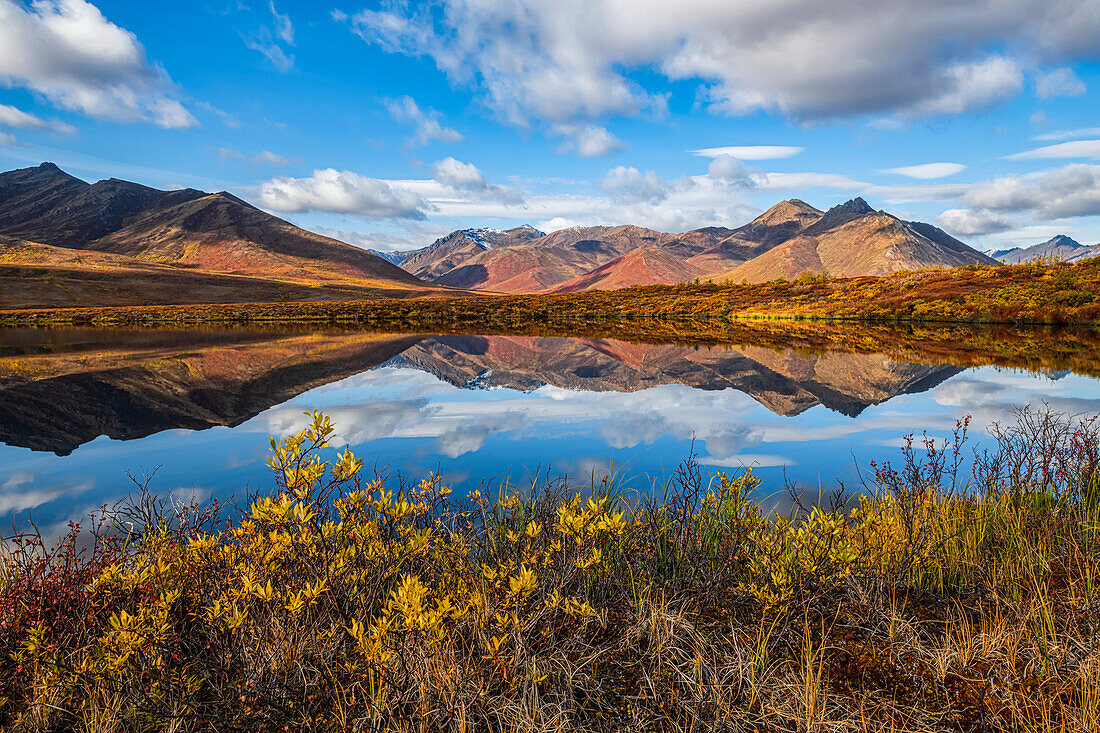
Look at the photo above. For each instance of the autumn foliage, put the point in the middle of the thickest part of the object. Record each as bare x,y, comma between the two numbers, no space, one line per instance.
952,595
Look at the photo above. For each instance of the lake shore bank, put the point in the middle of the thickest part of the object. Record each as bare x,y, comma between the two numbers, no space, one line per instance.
1029,294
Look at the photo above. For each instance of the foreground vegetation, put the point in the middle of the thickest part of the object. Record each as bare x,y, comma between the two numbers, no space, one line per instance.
1034,293
953,595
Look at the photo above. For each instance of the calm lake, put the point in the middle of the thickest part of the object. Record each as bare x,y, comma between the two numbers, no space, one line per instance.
80,409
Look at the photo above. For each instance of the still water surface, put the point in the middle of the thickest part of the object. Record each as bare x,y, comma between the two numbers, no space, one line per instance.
80,409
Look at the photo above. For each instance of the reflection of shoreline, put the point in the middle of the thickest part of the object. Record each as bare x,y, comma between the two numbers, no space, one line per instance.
61,388
72,389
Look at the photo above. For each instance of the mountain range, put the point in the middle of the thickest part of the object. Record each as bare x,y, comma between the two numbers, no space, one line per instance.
785,241
65,242
1058,249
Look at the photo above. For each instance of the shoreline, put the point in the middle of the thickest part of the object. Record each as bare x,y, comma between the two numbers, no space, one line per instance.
1016,295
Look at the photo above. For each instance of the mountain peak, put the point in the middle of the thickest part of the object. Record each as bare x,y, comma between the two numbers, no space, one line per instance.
842,214
786,210
853,206
1061,240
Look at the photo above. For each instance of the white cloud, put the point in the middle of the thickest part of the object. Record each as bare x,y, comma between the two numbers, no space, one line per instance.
1067,134
341,192
971,86
750,152
1059,83
455,173
969,222
571,61
732,170
69,53
1073,190
410,235
467,178
630,184
428,127
263,41
587,141
7,139
284,28
264,158
927,171
1073,149
269,40
14,117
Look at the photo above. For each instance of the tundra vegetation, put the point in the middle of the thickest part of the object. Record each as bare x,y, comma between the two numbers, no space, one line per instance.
1026,294
953,593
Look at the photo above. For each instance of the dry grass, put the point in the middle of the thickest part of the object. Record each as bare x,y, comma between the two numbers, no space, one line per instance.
950,597
1035,293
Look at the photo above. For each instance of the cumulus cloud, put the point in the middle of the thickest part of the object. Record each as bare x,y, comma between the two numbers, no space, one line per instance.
1073,149
732,170
587,141
341,192
68,52
264,158
452,172
1073,190
630,184
426,121
927,171
467,178
1059,83
968,222
571,61
750,152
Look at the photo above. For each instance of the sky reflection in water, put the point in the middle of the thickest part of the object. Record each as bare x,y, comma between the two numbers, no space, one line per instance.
482,408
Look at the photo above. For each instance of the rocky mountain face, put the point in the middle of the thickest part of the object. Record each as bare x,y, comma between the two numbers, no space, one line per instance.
853,239
787,240
1060,248
456,248
212,233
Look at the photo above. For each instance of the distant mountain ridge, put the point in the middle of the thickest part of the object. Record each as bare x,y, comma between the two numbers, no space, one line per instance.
197,237
211,232
1059,248
785,241
450,251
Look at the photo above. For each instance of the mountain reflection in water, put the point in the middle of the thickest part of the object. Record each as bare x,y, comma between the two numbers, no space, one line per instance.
194,409
62,388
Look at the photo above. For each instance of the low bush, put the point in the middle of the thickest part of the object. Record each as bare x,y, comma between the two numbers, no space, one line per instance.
950,595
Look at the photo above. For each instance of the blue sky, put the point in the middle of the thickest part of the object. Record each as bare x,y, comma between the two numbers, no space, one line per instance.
390,124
